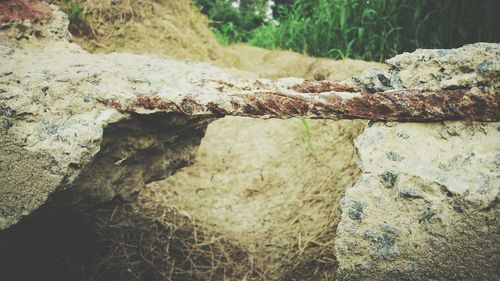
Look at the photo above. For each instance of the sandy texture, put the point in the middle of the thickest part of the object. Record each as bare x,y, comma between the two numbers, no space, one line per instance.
254,62
27,178
279,201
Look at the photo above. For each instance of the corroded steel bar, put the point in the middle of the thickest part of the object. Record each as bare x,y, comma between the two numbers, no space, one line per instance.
328,100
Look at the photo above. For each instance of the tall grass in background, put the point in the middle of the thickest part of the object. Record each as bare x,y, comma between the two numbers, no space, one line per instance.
377,29
233,24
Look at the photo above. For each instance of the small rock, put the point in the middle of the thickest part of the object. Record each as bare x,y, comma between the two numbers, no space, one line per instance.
496,162
6,95
389,229
9,112
389,178
385,246
393,156
427,214
410,193
356,211
403,136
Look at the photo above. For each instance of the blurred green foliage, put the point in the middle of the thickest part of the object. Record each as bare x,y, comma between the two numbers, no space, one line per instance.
233,24
369,29
77,16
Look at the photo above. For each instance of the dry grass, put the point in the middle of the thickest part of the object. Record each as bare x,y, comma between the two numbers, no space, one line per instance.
192,226
274,64
280,208
176,29
172,28
149,242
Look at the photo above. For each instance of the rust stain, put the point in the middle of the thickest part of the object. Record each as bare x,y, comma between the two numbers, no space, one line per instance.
270,103
258,84
310,87
189,106
424,106
223,85
235,104
404,105
152,102
216,109
330,106
111,103
24,9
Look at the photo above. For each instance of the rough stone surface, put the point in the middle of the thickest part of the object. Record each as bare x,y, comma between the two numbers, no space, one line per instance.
425,206
472,66
56,136
371,96
475,66
136,151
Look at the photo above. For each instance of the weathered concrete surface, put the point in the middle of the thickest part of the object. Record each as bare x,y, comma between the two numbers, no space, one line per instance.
56,136
57,101
372,96
475,66
426,205
428,85
141,84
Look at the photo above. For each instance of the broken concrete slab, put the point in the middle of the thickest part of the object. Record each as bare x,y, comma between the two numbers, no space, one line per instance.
54,132
144,84
426,204
59,103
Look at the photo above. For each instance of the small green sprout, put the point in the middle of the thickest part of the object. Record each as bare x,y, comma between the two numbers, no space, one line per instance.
303,126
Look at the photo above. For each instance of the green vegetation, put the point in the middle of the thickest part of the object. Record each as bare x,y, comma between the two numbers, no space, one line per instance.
233,24
77,16
304,127
369,30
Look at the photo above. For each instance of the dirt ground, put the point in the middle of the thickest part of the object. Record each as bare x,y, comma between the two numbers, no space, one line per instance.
254,62
260,183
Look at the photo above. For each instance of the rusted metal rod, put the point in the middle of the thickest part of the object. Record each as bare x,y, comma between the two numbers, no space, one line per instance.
327,100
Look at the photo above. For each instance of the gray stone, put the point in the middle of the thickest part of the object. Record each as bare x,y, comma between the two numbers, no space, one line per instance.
389,178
